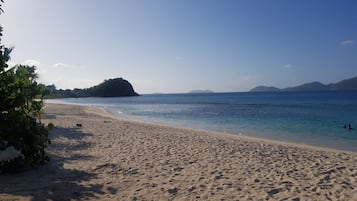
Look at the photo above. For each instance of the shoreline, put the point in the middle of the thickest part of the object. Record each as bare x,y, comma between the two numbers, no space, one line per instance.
103,112
108,158
328,135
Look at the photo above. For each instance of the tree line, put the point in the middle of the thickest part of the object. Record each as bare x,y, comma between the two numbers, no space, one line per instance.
117,87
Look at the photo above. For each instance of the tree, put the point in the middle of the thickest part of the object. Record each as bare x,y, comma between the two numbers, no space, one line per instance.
23,138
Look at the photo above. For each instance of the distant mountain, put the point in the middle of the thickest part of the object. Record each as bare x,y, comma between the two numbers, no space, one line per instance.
117,87
200,91
348,84
313,86
264,89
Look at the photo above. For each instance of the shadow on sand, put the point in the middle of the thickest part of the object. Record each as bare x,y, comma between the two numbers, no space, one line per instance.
54,181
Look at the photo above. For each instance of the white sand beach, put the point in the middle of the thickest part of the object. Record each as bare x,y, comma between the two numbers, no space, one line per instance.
108,158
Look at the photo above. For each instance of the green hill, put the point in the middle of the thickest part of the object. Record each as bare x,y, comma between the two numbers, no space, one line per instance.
117,87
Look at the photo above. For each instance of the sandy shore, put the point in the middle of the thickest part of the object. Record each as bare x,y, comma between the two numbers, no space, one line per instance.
114,159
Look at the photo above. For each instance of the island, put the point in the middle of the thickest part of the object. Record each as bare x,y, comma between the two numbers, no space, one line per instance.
117,87
344,85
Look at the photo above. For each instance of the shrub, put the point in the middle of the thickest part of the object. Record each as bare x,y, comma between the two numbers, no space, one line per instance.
23,138
20,111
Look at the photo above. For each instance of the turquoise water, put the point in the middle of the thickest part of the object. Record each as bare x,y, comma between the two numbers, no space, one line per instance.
315,118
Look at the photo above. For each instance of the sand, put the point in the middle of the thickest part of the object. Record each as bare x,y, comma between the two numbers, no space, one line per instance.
117,159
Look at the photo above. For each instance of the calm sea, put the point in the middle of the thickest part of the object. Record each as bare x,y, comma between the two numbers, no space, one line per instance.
315,118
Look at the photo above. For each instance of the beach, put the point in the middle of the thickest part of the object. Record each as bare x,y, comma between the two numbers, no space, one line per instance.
95,156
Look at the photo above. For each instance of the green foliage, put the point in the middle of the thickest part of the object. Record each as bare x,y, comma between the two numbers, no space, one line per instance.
112,88
20,109
109,88
19,117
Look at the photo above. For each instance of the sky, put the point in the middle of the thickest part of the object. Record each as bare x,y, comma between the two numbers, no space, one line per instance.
175,46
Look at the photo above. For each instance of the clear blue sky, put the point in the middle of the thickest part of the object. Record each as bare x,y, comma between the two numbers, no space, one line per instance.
171,46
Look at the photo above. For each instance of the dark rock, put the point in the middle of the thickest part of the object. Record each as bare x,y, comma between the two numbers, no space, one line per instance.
274,191
192,188
218,177
172,191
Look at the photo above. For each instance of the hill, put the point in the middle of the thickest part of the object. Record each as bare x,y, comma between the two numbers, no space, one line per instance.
117,87
344,85
313,86
348,84
264,89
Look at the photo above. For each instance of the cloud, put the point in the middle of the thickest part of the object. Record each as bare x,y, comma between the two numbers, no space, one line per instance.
287,66
32,62
59,65
67,66
66,76
347,43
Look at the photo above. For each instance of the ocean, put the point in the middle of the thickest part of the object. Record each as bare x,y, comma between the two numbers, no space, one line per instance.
313,118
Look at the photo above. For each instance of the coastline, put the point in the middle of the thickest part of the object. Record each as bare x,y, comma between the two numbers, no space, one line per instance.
105,113
286,118
110,158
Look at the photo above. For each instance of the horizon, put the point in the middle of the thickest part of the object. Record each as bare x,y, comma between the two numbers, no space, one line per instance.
180,46
203,91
